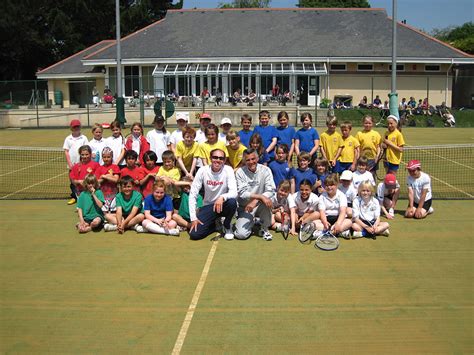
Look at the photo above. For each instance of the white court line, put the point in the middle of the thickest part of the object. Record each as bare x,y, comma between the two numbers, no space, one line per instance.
451,186
29,187
192,307
29,167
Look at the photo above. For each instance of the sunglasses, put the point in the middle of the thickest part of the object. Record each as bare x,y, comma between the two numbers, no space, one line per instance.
218,158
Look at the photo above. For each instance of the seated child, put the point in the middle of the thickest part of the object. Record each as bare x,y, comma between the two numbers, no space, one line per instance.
419,192
158,211
332,209
89,205
108,176
366,214
183,217
129,213
148,172
307,204
283,201
361,174
170,175
387,194
348,189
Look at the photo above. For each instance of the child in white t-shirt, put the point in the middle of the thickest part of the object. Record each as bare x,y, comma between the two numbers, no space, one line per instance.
361,174
419,192
387,194
348,189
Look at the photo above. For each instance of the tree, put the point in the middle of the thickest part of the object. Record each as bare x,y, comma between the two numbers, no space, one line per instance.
39,33
461,37
334,3
244,4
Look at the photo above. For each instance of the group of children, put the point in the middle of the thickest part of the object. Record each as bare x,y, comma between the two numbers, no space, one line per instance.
143,183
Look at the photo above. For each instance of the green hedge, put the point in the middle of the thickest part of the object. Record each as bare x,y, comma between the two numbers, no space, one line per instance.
464,118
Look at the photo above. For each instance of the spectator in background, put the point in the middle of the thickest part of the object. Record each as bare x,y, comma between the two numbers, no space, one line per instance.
363,103
377,102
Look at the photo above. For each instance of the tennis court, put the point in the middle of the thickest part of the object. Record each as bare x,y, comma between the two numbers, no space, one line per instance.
63,292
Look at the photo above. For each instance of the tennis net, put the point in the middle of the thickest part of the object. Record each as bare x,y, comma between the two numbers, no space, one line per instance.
41,173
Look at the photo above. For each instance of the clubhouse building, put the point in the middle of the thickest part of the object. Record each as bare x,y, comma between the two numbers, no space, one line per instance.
321,53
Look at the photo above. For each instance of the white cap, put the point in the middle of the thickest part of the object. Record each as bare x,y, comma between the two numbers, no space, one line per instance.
226,120
182,116
393,117
346,175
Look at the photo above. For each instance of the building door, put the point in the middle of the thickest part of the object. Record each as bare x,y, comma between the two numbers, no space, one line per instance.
302,87
313,91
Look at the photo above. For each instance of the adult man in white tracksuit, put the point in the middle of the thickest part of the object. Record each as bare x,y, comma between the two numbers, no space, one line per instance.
220,191
255,188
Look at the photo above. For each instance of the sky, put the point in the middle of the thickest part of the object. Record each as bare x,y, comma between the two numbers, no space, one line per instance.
422,14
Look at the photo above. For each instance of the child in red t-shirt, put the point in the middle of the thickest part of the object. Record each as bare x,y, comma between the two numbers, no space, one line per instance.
108,176
131,169
148,172
84,167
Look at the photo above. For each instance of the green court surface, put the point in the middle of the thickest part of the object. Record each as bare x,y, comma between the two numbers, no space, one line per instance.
101,293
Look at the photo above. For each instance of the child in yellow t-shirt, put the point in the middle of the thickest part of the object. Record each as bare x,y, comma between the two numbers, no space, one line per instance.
186,151
350,152
235,149
204,152
170,175
393,144
331,143
370,141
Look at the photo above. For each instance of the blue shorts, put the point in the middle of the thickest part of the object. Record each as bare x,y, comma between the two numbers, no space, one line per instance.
340,167
390,166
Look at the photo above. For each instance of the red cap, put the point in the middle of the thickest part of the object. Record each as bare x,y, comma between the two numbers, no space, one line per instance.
205,115
390,180
413,165
75,123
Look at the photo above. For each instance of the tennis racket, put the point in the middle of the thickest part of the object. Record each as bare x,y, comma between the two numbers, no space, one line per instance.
306,232
327,241
285,224
367,234
381,158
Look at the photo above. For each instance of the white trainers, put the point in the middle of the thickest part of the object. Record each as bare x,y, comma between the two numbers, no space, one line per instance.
173,231
391,212
228,235
430,210
317,234
265,234
385,233
138,228
357,234
346,234
277,226
110,227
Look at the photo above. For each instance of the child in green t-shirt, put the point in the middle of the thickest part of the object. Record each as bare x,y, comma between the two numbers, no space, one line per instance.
182,217
129,214
89,205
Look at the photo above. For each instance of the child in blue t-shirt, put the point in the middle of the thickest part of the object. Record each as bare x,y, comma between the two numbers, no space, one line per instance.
307,138
267,132
286,134
246,132
256,143
321,169
303,172
159,211
279,166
